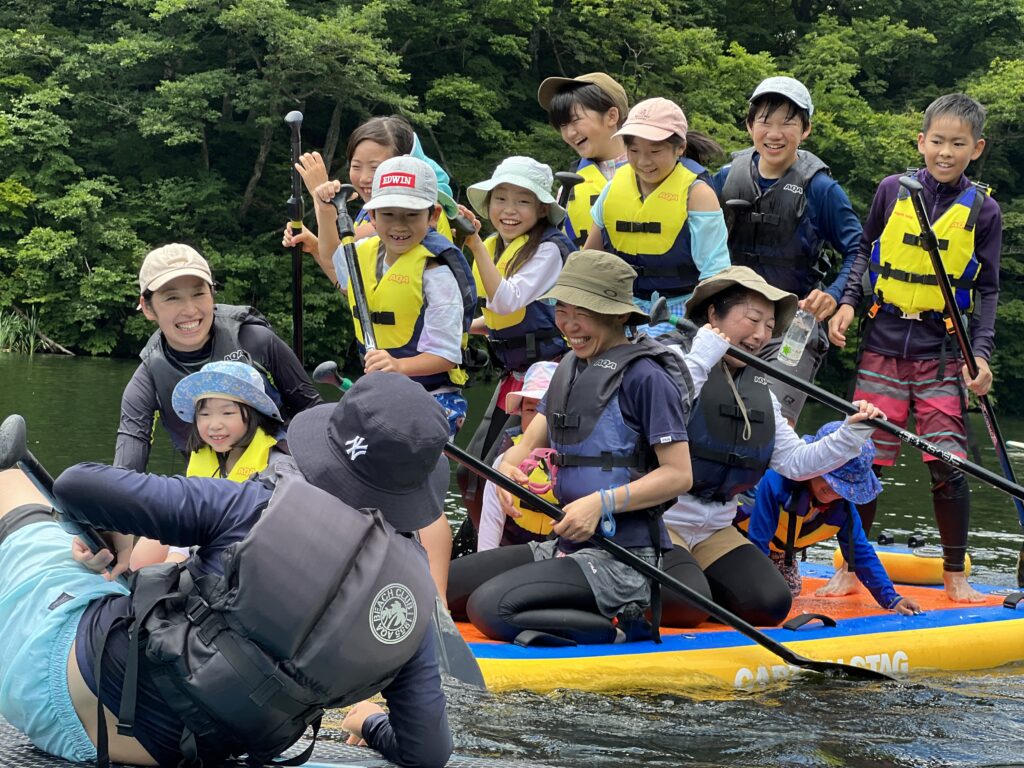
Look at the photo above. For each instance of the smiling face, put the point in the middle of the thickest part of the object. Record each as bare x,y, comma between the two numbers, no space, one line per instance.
652,161
589,333
748,324
183,308
590,133
220,423
401,229
365,159
514,211
948,148
777,134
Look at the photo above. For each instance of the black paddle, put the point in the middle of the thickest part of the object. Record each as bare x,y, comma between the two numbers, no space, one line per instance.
830,668
295,214
955,326
823,396
14,452
568,180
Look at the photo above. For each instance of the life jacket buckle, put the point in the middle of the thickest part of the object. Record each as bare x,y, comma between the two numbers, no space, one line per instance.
197,610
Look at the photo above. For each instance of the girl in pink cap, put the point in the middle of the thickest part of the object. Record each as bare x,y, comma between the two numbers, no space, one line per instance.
659,213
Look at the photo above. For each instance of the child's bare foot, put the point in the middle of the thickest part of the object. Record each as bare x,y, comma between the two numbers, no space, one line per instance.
842,583
959,590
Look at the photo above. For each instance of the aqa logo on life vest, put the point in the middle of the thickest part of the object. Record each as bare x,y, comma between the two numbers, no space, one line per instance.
794,188
406,180
604,362
393,614
395,278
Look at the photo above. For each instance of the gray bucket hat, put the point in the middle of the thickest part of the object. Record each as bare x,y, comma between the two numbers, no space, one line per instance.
523,172
378,447
600,282
785,302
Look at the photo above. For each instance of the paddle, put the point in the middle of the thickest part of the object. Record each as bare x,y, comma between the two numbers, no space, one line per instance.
955,326
14,452
823,396
295,214
454,657
831,668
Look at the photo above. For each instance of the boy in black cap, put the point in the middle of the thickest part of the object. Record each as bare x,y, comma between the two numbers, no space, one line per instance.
379,448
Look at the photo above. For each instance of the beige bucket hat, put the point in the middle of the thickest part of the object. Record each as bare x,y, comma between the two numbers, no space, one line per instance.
785,302
600,282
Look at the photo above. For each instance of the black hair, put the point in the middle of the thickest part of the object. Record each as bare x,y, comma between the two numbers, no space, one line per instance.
960,106
697,146
252,419
533,240
562,108
723,302
767,103
392,131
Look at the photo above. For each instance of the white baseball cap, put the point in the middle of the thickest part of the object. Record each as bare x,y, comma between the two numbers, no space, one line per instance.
789,87
403,182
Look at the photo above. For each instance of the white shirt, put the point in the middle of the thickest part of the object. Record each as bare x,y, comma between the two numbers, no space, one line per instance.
532,281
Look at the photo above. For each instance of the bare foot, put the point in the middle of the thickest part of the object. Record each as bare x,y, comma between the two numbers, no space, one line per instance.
959,590
842,583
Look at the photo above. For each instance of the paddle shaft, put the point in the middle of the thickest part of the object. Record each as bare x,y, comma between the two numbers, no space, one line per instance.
777,372
653,572
296,214
958,329
346,231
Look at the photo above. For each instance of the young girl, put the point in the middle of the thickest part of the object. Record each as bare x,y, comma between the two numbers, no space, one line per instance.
660,213
788,516
512,269
374,141
234,434
587,111
496,527
614,416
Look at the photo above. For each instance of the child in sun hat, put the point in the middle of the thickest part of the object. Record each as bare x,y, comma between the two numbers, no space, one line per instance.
513,268
521,525
660,213
587,110
788,516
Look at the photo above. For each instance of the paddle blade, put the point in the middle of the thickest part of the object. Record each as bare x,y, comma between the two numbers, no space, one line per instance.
454,657
12,441
836,670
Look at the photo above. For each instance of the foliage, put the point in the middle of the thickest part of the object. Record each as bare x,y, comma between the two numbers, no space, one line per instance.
125,124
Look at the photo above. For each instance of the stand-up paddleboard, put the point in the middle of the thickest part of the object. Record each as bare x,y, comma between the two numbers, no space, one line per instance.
909,565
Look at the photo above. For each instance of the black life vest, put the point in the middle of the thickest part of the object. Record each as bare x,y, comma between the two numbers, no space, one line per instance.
319,606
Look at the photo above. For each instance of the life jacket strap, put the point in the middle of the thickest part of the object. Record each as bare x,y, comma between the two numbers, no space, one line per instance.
382,318
606,461
642,227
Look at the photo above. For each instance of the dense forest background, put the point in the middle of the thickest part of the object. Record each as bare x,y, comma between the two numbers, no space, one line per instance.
125,124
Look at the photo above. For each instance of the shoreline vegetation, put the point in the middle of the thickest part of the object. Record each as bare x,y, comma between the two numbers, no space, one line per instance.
124,126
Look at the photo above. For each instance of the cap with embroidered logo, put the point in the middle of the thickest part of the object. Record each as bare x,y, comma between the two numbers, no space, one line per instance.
378,447
403,182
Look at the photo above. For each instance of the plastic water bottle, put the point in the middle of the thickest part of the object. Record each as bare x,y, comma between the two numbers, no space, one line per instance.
796,337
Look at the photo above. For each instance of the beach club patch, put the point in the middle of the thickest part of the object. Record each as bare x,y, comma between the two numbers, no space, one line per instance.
393,614
404,180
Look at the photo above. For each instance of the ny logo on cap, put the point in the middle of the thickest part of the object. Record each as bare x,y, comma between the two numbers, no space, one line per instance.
407,180
355,447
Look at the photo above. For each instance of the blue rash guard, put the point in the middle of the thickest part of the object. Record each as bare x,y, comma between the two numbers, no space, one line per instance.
213,514
774,491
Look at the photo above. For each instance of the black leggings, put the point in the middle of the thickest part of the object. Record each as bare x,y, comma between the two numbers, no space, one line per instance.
504,591
744,581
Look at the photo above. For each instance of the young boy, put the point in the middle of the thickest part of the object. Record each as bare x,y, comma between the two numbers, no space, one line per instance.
788,516
587,110
908,361
782,206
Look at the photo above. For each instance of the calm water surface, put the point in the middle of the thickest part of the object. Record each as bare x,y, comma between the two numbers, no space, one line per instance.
973,719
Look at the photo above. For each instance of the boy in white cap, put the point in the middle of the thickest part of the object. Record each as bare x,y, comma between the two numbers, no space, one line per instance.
782,207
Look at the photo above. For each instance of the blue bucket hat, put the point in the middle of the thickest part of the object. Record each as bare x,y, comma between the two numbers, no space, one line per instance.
226,379
854,481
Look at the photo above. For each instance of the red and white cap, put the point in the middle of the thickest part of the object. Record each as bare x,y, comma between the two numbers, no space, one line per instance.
403,182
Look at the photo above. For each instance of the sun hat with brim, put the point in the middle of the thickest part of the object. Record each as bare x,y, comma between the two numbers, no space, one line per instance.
553,85
403,182
171,261
227,380
854,481
379,447
522,172
655,120
535,385
600,282
785,302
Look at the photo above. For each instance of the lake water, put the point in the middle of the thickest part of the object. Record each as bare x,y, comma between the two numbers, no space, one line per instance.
72,406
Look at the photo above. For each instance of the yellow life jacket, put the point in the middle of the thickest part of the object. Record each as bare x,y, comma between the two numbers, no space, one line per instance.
535,522
494,321
396,306
901,269
255,457
582,198
816,530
